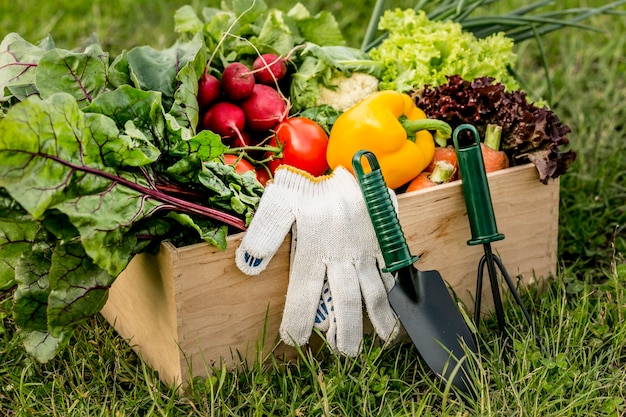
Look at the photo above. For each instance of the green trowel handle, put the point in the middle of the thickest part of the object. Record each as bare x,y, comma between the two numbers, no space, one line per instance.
382,213
476,189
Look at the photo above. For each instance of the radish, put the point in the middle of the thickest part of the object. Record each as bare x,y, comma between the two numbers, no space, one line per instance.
269,69
264,109
237,81
226,119
209,90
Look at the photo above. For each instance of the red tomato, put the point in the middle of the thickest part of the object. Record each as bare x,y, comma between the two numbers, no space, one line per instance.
242,165
303,143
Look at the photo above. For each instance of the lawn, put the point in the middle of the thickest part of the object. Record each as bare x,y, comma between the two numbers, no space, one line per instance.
580,368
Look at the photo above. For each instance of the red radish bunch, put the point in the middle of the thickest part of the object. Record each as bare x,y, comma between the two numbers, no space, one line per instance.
243,102
269,69
226,119
237,81
209,90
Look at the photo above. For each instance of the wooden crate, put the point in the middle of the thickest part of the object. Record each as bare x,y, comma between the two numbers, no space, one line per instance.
187,309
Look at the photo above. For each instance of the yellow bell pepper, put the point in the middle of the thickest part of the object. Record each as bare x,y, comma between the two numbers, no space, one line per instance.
388,124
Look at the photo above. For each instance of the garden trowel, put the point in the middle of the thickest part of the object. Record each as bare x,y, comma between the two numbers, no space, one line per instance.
420,299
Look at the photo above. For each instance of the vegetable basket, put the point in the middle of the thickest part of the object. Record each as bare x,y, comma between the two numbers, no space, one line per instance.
186,310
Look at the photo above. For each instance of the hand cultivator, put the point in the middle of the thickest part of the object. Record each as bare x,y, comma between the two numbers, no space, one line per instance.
483,225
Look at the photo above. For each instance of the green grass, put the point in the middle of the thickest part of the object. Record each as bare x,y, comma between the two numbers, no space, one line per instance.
579,369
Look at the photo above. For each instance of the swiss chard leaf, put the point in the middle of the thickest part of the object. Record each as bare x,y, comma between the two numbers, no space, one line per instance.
87,153
17,233
45,145
185,108
103,220
141,112
42,345
33,287
16,237
81,74
18,65
55,157
157,70
34,137
78,288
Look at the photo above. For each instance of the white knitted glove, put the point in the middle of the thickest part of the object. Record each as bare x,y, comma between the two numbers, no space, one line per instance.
332,238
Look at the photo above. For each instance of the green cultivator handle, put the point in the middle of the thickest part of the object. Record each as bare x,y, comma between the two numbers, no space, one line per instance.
476,189
383,214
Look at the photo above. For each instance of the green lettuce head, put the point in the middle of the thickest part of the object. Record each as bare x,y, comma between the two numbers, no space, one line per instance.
419,52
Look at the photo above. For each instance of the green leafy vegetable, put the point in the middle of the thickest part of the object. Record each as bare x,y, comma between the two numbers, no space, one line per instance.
241,30
98,161
319,64
18,60
530,133
81,74
419,51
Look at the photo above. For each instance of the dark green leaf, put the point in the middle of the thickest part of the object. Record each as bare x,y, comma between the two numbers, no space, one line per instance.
330,35
128,104
16,237
103,220
34,136
239,192
215,235
79,288
185,108
42,345
156,70
134,149
55,163
31,295
185,170
81,74
205,146
18,68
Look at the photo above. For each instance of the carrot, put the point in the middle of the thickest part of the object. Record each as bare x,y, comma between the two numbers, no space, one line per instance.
420,182
443,171
447,154
494,158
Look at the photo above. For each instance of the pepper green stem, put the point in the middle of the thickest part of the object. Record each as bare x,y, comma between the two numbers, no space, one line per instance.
442,172
493,133
443,131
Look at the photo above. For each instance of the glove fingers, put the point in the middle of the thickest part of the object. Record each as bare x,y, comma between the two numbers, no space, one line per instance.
379,310
348,308
301,303
271,223
331,333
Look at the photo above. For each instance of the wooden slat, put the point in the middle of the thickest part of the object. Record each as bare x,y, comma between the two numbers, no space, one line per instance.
142,308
